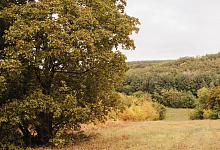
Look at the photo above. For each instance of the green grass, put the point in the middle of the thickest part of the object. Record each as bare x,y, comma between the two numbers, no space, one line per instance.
179,114
176,132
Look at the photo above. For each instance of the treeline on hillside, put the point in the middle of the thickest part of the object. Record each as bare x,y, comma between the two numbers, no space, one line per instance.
208,63
180,78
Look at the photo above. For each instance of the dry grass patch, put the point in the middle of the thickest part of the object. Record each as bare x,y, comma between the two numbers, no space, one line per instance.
196,135
182,134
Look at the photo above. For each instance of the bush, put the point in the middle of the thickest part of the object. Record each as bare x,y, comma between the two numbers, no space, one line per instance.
148,112
175,99
157,98
126,101
214,114
139,113
214,99
142,108
196,114
203,96
161,110
139,94
171,98
188,100
208,104
211,114
206,114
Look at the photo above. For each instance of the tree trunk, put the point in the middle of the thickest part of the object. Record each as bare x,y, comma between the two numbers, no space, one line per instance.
44,130
26,133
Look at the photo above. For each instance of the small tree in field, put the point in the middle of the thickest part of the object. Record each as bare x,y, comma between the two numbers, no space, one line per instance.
58,67
208,106
203,97
214,99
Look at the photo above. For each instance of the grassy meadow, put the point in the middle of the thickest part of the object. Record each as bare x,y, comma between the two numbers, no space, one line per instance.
174,114
175,132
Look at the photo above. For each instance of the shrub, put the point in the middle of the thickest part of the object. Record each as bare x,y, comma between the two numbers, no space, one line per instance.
171,98
214,114
126,101
139,94
206,114
157,98
214,99
208,104
188,100
203,96
148,112
141,108
175,99
196,114
161,110
139,113
211,114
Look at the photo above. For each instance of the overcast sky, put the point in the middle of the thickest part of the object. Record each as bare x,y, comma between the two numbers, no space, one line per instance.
171,29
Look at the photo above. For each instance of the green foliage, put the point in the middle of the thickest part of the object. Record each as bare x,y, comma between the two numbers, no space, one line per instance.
139,94
208,106
175,99
161,110
203,97
187,65
214,114
214,99
197,114
126,101
188,100
59,71
139,113
172,98
25,115
62,138
157,98
184,74
211,114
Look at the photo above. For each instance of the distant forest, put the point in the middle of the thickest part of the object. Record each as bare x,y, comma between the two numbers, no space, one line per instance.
187,74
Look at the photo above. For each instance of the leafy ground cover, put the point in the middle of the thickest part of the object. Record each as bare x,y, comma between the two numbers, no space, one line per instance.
175,132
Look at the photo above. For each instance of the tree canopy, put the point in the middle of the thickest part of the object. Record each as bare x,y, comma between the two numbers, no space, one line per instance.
58,66
184,74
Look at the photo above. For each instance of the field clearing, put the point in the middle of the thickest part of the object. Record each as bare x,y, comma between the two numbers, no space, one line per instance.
169,134
177,114
198,135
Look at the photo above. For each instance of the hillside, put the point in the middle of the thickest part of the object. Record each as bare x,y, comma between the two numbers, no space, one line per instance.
204,64
184,74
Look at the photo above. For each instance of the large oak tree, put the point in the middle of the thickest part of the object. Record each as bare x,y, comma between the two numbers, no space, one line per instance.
58,66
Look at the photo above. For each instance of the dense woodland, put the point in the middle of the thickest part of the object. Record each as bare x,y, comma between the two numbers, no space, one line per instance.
185,74
173,83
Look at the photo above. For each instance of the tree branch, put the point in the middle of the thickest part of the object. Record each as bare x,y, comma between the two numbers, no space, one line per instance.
83,72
